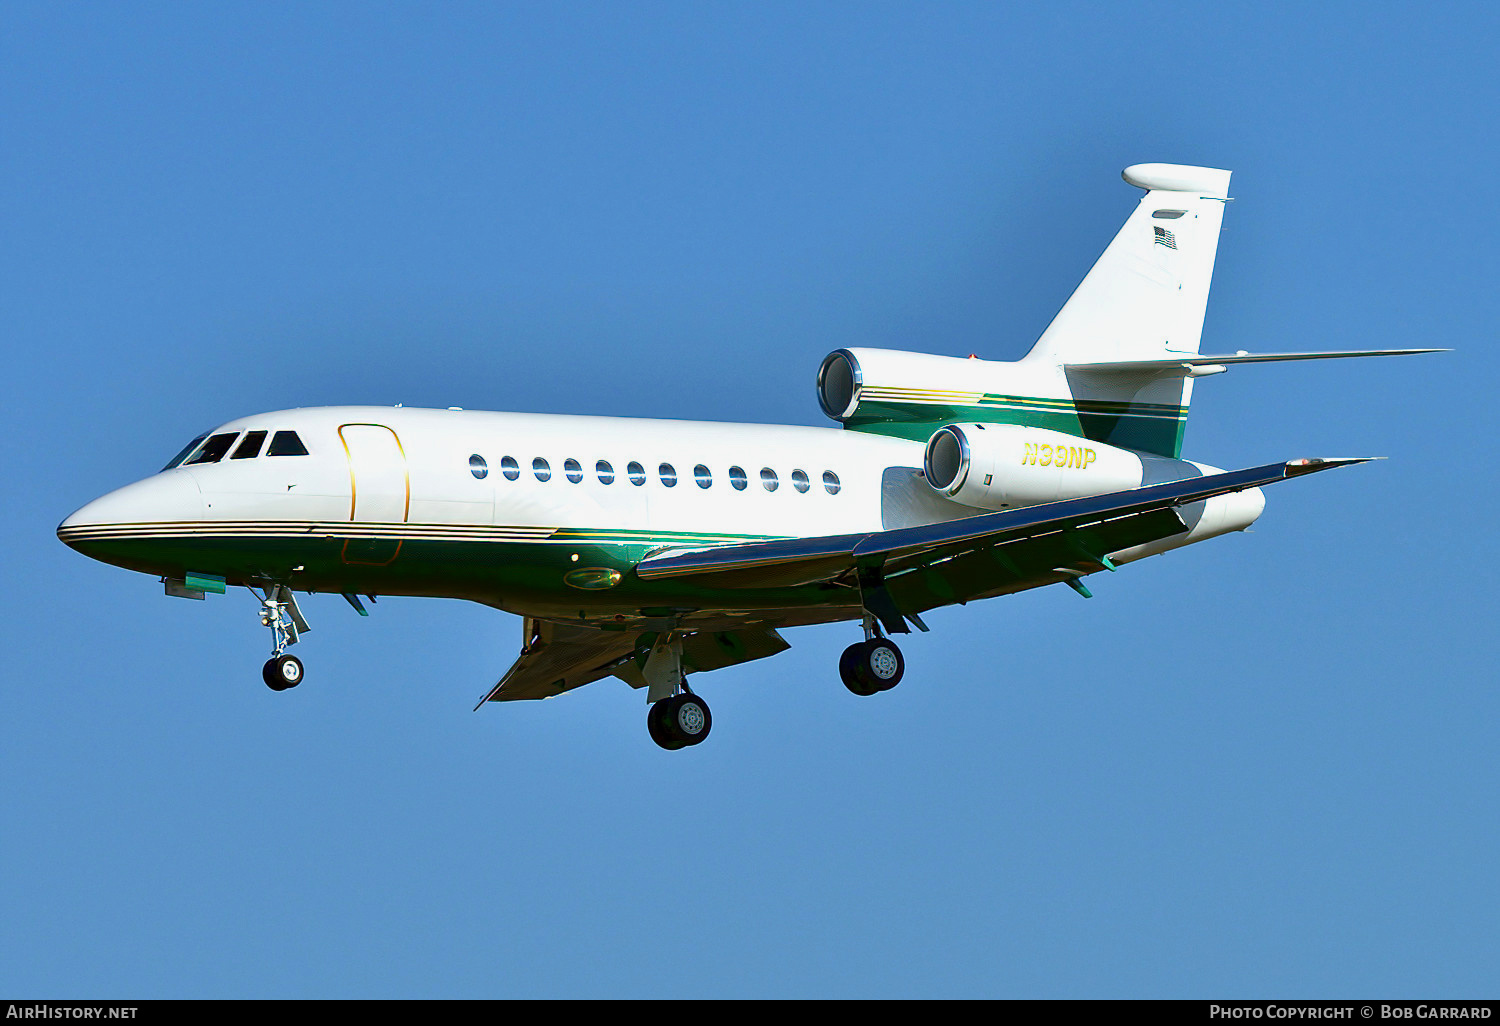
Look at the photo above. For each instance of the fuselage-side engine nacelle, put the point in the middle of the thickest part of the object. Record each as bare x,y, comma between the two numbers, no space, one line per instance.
1003,466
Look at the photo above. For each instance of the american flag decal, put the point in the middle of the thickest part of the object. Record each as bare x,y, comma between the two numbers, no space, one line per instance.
1164,237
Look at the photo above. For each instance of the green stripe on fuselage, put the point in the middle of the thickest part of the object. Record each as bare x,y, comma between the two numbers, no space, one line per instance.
521,576
1143,427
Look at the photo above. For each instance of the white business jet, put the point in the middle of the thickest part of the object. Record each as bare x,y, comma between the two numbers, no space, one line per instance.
651,549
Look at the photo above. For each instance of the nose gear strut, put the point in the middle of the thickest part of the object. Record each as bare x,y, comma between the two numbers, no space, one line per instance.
278,611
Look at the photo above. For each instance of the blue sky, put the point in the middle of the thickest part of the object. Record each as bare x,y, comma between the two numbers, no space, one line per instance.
1260,767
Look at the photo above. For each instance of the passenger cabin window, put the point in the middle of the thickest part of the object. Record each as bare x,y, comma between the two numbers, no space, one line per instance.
286,443
799,481
668,475
738,479
573,470
703,476
213,450
478,467
768,479
510,468
541,469
830,482
637,473
249,446
184,453
605,471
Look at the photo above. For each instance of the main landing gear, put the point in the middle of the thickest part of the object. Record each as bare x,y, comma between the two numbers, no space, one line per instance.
677,717
872,665
278,611
679,721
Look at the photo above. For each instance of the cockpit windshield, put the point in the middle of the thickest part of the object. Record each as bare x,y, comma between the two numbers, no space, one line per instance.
249,448
213,450
185,450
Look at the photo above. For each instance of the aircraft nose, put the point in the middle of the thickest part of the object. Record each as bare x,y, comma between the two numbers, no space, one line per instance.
167,498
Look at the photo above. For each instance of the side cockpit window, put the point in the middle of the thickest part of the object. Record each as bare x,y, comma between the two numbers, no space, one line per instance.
286,443
186,449
249,448
213,450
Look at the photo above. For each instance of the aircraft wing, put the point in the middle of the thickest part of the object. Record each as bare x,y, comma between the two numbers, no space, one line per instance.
898,572
958,560
559,657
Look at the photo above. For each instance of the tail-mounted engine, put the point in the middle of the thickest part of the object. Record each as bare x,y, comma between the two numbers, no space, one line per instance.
1000,466
886,391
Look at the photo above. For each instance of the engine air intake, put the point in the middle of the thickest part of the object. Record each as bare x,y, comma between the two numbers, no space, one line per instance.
947,460
839,382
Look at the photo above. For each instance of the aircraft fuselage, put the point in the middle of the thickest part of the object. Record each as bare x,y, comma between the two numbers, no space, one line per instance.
542,515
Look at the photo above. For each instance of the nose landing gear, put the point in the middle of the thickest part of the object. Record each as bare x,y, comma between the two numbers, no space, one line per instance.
278,611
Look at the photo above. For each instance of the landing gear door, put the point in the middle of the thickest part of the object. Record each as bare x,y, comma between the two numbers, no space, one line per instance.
379,493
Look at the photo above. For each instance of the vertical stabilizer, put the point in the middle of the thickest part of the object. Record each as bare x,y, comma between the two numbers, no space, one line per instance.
1145,296
1143,300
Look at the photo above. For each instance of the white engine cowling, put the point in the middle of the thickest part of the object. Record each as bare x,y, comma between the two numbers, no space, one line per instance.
1002,466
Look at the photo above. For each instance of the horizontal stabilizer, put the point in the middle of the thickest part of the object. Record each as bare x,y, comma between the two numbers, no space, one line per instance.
1188,362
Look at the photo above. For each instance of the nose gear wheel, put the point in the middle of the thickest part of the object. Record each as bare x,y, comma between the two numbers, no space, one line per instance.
282,672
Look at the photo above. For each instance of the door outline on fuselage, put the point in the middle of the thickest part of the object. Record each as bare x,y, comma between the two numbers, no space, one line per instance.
368,550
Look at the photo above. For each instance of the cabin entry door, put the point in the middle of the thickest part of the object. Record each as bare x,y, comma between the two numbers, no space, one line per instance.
379,493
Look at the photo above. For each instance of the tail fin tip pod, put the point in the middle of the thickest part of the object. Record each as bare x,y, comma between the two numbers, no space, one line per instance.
1210,182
